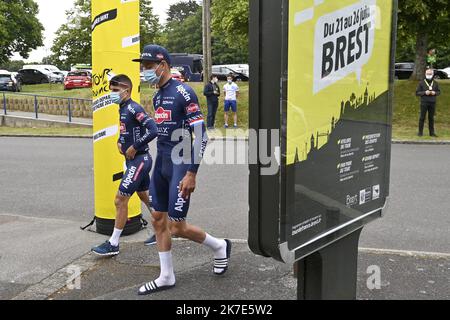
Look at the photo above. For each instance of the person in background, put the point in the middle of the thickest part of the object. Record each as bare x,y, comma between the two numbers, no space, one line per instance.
212,94
231,90
428,89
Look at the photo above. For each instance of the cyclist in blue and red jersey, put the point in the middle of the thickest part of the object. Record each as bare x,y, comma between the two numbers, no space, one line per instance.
179,119
137,129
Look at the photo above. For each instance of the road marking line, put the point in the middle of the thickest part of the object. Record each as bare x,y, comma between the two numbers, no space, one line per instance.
406,252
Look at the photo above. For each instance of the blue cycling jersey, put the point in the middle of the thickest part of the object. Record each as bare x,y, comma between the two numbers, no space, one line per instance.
176,107
136,127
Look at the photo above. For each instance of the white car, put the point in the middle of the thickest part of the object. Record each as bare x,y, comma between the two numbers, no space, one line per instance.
53,73
447,71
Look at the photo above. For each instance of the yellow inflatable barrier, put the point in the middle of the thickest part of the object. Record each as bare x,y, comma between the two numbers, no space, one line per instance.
115,42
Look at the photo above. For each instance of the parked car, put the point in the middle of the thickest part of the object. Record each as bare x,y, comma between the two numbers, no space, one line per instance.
223,72
441,74
240,68
32,76
59,76
176,74
78,79
404,70
8,82
53,73
446,70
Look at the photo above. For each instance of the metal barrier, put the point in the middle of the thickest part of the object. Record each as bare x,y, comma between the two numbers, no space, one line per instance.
54,105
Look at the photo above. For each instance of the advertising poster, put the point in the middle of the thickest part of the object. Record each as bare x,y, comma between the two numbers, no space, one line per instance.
337,116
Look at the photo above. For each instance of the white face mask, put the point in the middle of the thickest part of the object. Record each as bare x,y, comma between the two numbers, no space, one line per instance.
429,76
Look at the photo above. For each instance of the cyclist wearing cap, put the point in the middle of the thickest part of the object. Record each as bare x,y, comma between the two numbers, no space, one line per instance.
137,129
178,117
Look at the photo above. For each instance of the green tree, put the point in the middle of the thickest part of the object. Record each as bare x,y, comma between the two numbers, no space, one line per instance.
428,21
230,20
181,10
72,44
150,27
443,55
13,65
185,36
183,33
20,30
224,54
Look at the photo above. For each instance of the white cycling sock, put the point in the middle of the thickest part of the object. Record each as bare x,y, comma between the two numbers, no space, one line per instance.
219,246
114,240
166,277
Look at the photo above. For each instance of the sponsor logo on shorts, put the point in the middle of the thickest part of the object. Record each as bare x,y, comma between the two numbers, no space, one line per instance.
180,201
129,178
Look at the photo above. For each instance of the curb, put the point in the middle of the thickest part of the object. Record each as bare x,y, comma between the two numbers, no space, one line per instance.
432,143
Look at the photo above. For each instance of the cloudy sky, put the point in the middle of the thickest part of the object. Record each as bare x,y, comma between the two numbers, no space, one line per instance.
56,10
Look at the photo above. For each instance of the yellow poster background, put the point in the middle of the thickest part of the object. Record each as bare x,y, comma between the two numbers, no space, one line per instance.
309,113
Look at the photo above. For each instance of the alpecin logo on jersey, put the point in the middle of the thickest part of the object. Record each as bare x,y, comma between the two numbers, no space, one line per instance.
162,115
193,107
182,90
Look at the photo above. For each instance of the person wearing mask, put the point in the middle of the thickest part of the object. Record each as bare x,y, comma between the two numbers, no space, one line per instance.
428,89
212,94
179,121
137,129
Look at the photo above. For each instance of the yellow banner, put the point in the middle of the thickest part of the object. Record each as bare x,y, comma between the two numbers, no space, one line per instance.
115,42
338,58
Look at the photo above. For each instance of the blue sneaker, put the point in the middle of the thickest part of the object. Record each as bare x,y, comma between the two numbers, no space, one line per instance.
150,241
106,249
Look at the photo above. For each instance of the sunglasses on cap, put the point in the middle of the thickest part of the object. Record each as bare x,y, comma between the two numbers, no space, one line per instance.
117,83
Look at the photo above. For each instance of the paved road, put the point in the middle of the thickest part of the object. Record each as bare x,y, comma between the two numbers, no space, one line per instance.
53,178
47,193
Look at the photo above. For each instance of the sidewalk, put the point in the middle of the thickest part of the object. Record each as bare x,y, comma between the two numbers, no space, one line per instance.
249,277
46,117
